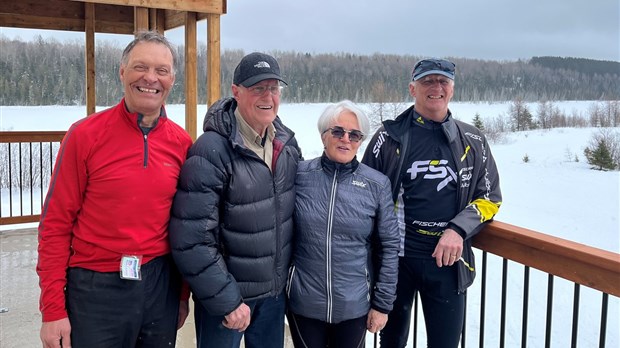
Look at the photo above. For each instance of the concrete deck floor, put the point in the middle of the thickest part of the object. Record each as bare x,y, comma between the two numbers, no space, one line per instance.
19,294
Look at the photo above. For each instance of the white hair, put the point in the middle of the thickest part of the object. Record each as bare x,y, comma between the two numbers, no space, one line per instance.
333,111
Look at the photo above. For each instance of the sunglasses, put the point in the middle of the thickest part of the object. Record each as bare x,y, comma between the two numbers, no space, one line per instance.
433,64
339,132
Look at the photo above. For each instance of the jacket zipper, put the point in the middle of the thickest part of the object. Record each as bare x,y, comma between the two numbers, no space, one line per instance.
454,149
367,284
146,150
328,247
278,241
289,283
278,255
276,195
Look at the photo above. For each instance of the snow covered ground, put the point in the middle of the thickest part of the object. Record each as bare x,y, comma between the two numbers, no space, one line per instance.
551,193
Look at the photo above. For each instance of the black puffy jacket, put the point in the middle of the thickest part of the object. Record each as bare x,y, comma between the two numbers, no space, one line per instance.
232,219
345,259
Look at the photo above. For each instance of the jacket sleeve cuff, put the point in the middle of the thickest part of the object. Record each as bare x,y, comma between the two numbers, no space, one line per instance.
234,308
458,230
380,310
47,317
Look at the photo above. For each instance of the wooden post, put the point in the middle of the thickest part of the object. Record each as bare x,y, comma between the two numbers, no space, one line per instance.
89,30
140,19
213,58
157,20
191,75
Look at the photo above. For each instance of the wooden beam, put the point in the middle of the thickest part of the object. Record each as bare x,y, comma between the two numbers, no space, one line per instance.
204,6
39,22
213,59
174,19
64,15
191,78
89,31
120,16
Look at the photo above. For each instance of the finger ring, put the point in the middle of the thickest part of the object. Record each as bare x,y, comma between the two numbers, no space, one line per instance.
453,256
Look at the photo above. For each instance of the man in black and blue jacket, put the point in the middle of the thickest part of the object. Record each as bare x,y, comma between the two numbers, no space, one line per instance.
445,187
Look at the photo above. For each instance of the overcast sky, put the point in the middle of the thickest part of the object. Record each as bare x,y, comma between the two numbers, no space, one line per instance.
483,29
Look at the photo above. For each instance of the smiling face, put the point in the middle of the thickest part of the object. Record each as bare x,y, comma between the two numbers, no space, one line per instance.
258,110
342,150
147,77
432,94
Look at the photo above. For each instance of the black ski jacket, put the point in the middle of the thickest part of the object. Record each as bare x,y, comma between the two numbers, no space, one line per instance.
479,195
231,229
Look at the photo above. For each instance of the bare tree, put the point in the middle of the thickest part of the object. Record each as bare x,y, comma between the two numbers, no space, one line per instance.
543,114
612,112
520,115
596,115
384,107
495,129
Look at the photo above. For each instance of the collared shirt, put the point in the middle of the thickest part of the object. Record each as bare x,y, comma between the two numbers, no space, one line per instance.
254,141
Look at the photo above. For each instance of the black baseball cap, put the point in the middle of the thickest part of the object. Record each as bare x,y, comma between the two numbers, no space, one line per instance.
433,66
256,67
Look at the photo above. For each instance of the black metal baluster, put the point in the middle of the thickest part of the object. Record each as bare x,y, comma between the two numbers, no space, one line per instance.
549,311
502,331
575,328
604,308
463,330
526,300
483,293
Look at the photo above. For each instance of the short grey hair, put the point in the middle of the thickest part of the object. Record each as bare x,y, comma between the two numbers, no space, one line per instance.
149,36
333,111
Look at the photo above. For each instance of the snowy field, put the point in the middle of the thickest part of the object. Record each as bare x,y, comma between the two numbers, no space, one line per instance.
551,193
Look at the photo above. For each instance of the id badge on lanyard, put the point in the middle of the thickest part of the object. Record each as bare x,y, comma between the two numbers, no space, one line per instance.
130,267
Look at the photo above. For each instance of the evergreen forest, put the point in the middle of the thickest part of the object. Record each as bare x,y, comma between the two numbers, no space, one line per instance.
49,72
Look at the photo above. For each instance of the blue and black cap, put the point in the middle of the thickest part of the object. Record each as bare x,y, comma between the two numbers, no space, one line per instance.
433,66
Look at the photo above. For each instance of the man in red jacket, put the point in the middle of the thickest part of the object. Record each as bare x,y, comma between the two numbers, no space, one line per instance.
106,275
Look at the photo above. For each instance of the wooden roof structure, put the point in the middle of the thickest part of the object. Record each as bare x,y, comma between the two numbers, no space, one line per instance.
127,17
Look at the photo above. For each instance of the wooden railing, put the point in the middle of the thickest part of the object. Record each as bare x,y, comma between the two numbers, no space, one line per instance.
595,268
26,162
581,264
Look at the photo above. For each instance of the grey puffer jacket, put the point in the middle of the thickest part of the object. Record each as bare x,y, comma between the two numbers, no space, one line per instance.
231,229
345,258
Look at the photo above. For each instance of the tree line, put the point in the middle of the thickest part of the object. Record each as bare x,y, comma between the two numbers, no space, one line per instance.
49,72
603,149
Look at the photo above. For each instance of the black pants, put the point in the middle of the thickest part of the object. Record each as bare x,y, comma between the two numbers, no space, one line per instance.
443,305
313,333
107,311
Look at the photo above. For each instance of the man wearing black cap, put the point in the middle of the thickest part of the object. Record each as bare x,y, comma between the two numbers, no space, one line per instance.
445,186
231,228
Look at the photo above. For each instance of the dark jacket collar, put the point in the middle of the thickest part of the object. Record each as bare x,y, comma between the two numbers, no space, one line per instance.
398,127
330,166
220,118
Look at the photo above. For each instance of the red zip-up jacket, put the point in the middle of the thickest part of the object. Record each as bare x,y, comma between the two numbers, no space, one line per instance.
110,195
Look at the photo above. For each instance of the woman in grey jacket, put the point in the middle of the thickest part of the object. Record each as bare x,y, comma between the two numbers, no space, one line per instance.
345,257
